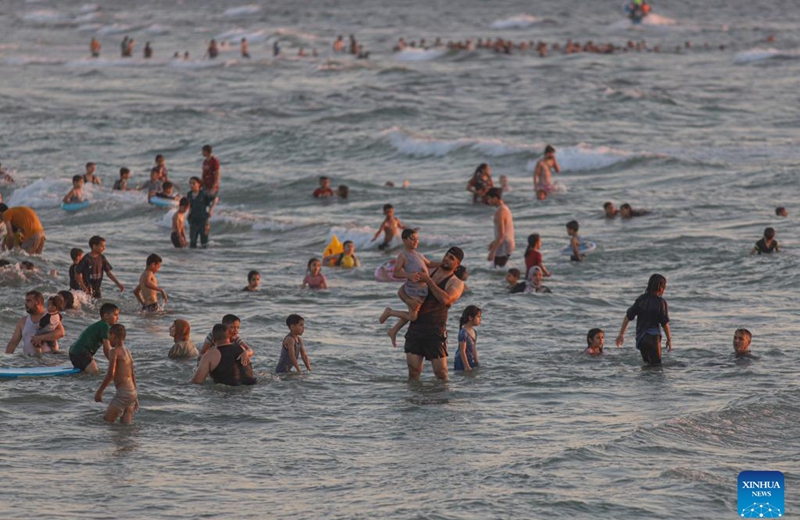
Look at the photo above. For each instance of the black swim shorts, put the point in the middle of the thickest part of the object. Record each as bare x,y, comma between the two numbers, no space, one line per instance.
650,348
153,307
176,239
428,349
81,361
500,261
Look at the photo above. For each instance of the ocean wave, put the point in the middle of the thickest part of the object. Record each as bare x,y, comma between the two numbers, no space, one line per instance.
47,17
651,20
47,193
424,146
156,30
757,55
235,35
585,157
115,28
519,21
99,63
33,60
362,238
242,10
89,8
198,64
410,54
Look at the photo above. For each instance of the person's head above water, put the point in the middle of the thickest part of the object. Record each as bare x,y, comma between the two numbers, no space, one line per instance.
219,334
610,210
769,233
573,226
549,152
741,340
780,211
494,196
594,338
656,285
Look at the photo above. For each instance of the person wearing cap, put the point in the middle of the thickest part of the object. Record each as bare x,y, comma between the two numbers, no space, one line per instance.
24,220
426,337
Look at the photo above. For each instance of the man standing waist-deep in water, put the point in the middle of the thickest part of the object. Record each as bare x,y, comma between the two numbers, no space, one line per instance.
427,336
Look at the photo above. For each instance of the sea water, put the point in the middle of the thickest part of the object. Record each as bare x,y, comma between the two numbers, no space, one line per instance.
705,137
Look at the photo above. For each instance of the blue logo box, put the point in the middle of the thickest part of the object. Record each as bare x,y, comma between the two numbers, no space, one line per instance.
761,494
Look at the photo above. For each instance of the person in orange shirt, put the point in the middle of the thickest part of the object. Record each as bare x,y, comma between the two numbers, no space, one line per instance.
25,220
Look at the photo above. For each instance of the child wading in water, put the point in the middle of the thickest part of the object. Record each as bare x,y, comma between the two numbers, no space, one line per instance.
651,314
314,278
148,290
76,193
409,263
120,369
293,346
388,227
467,357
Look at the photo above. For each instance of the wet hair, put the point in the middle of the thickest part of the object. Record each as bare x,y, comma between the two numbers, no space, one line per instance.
746,333
219,333
549,149
407,232
343,191
494,193
514,272
469,312
167,185
76,178
118,330
779,210
123,171
107,308
294,319
769,233
252,274
196,179
573,225
56,301
184,202
480,169
37,296
387,207
207,148
626,206
532,239
69,299
591,334
656,283
229,319
315,259
153,259
96,240
608,205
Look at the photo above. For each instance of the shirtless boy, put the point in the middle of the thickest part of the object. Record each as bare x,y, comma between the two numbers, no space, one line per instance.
90,177
178,236
147,291
503,244
543,175
120,370
389,227
76,193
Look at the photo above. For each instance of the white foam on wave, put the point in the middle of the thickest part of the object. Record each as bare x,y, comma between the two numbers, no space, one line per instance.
47,193
197,64
88,27
115,28
242,10
89,8
294,34
585,157
101,63
519,21
342,65
47,17
88,17
756,55
410,54
156,30
425,146
235,35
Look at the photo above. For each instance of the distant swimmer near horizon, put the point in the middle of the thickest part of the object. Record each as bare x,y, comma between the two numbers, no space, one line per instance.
542,174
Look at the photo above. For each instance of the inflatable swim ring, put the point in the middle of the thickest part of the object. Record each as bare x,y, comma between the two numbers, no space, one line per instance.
334,247
586,247
163,202
75,206
385,272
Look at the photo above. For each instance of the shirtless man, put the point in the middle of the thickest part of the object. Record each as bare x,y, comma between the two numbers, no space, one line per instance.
90,177
503,244
426,337
27,326
389,227
147,291
120,370
542,175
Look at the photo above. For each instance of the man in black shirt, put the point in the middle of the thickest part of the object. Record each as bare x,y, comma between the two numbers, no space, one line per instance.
651,314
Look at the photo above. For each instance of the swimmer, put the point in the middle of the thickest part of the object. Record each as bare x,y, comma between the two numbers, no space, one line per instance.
75,195
76,254
408,265
167,192
226,363
514,285
178,236
232,323
480,183
244,48
342,191
314,278
575,241
276,49
89,177
148,51
467,357
69,300
324,190
302,53
503,245
94,48
504,184
768,244
543,175
338,45
293,346
147,291
610,210
595,340
120,370
741,344
626,211
49,323
253,281
534,282
154,185
651,314
184,347
389,227
780,211
533,258
161,164
91,268
122,182
213,50
346,259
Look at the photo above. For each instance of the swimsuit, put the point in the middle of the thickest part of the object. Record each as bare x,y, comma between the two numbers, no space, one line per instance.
150,307
415,263
285,363
124,398
463,336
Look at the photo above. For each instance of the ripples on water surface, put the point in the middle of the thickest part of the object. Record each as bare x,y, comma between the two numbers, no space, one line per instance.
706,138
